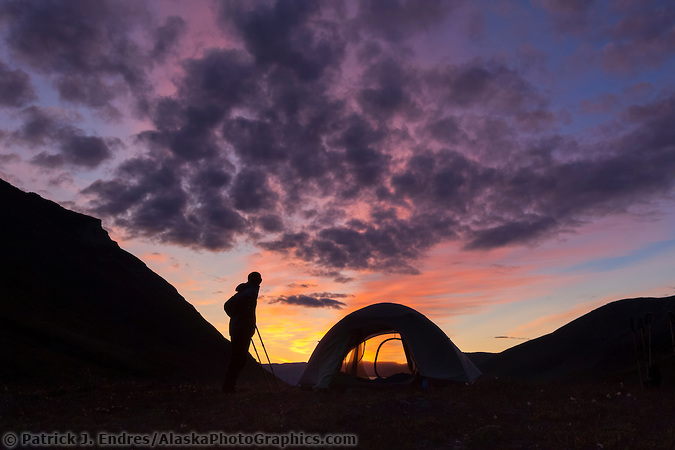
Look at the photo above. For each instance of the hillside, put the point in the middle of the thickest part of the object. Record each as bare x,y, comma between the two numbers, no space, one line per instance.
75,305
596,344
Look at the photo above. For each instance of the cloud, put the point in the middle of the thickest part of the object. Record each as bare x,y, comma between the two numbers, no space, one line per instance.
390,90
79,41
512,337
42,125
168,36
149,199
16,89
513,189
568,16
84,151
222,79
251,192
94,54
602,104
281,35
309,301
482,85
318,135
511,232
10,158
638,92
53,128
644,37
397,21
88,151
622,36
301,285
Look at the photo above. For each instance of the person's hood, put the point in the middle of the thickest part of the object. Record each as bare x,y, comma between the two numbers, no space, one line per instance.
244,286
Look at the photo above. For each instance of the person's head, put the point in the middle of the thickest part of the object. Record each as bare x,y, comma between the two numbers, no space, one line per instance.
255,278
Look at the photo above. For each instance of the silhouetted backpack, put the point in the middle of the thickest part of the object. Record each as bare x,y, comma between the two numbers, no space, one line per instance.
233,305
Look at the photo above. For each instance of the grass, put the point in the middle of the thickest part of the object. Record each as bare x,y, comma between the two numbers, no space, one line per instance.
493,413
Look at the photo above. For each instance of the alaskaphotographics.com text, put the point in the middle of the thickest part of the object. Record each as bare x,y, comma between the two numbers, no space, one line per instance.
166,439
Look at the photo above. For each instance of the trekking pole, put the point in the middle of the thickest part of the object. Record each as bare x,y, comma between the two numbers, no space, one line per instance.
261,366
641,327
637,354
268,358
671,319
653,372
648,322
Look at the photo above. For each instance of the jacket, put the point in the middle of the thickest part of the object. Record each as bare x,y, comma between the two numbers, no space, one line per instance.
241,309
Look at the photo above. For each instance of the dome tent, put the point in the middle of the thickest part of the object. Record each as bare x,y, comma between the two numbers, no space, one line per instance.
429,351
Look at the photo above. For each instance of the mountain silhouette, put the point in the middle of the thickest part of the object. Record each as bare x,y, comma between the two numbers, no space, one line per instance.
598,344
74,305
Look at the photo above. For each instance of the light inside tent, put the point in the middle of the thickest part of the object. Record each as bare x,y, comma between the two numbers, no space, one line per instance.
379,356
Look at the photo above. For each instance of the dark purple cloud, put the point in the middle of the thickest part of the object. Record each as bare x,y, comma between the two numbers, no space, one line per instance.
318,135
167,36
87,49
16,89
484,85
280,35
87,151
297,145
311,301
222,78
90,91
512,337
397,21
53,130
79,150
12,157
42,126
148,197
390,90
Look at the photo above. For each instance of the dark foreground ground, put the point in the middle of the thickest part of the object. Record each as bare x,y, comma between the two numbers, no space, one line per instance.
493,413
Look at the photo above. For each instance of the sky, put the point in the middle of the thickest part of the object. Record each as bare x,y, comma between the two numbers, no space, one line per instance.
503,167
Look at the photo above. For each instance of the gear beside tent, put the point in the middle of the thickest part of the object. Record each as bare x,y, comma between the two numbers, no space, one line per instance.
429,352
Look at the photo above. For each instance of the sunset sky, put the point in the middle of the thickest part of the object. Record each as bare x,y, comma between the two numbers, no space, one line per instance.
501,166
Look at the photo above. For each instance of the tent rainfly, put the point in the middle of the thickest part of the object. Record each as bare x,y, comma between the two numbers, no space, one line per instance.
429,351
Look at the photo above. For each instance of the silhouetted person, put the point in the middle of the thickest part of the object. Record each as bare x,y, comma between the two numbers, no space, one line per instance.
241,309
